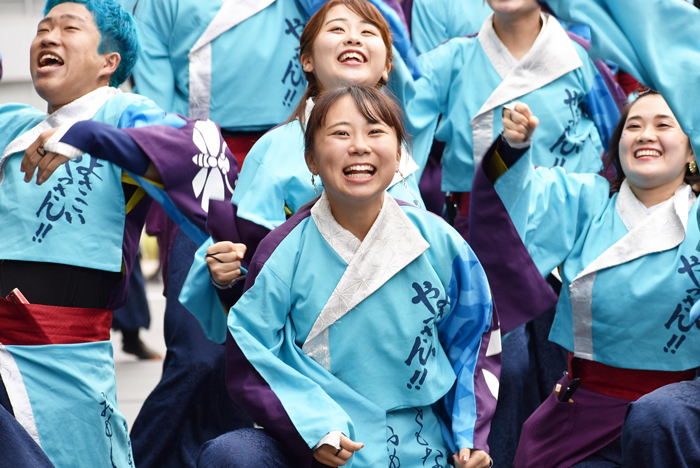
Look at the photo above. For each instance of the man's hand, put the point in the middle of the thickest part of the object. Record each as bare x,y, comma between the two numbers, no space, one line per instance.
224,261
36,157
331,456
471,459
519,124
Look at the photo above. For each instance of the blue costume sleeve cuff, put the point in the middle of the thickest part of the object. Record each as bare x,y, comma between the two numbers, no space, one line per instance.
106,142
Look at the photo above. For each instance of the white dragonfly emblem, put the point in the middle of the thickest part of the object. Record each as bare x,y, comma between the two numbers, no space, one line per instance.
212,180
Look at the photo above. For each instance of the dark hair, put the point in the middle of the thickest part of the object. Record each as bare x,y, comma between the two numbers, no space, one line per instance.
118,30
374,105
613,168
362,8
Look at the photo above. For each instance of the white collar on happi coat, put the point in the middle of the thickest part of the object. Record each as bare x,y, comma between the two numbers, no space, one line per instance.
407,165
663,229
231,13
391,244
83,108
551,56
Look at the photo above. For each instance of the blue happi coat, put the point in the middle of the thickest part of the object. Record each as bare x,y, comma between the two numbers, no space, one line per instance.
436,21
555,78
601,243
64,395
363,337
666,60
273,184
192,59
205,58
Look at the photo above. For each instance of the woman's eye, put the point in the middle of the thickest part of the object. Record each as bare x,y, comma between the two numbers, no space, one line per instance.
337,29
633,126
372,33
376,132
663,125
341,133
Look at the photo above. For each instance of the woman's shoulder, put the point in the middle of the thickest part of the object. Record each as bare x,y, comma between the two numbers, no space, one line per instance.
275,146
434,229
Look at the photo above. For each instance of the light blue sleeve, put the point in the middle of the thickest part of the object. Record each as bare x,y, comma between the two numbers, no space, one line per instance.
153,73
199,296
260,323
428,25
657,42
259,195
460,332
424,99
549,208
436,21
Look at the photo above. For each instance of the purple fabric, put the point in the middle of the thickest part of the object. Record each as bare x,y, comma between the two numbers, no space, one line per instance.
130,246
559,434
223,224
159,224
516,285
396,6
171,150
407,7
615,90
431,179
485,401
245,385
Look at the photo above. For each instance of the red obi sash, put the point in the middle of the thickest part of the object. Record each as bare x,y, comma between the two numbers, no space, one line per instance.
464,199
36,324
630,384
240,143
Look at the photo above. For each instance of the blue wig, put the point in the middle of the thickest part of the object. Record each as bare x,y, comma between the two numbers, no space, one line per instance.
118,31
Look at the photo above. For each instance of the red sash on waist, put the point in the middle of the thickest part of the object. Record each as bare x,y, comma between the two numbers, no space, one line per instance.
36,324
630,384
241,145
464,198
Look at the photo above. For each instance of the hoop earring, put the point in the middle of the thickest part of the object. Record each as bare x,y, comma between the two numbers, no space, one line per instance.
693,167
313,182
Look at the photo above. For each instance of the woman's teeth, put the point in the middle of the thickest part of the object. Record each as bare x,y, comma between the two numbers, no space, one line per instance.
647,153
359,171
351,56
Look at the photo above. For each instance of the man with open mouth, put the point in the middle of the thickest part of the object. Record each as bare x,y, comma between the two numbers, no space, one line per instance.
68,240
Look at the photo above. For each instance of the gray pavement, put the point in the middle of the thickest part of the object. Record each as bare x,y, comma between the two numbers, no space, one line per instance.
136,379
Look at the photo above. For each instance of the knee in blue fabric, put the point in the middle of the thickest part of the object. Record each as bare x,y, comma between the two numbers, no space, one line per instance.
662,409
244,448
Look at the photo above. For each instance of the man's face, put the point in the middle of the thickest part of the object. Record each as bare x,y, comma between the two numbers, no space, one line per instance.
64,61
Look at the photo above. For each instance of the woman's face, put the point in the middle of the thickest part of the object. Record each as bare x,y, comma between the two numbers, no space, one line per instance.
355,158
513,7
348,50
654,151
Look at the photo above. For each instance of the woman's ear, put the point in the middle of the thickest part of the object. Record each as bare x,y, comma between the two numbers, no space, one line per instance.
398,159
307,63
385,73
310,163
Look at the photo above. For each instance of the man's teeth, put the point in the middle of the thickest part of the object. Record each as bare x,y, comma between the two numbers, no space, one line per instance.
645,153
50,60
352,55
